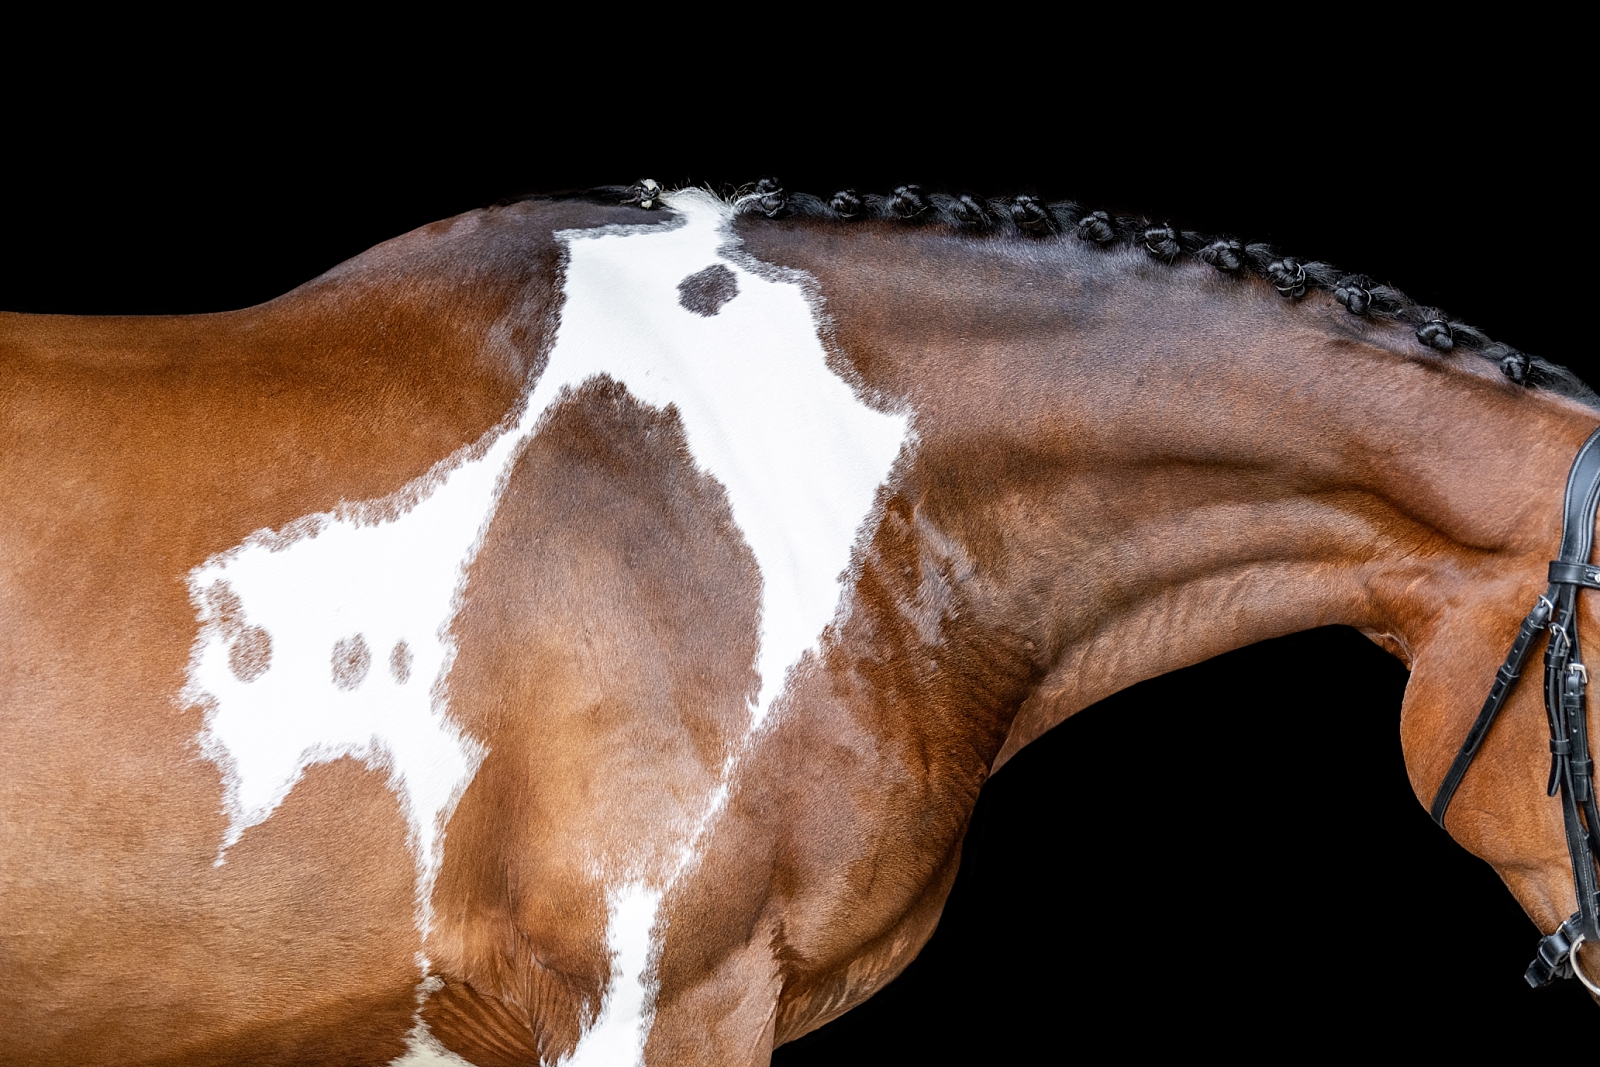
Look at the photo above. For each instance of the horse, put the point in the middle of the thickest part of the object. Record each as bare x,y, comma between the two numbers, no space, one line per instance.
578,631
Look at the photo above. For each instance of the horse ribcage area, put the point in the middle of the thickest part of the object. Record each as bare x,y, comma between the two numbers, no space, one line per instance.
331,638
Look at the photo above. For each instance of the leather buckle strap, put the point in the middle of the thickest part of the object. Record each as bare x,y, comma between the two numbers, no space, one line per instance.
1566,706
1504,679
1586,575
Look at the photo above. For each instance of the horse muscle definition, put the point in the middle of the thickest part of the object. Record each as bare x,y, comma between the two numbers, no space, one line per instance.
577,632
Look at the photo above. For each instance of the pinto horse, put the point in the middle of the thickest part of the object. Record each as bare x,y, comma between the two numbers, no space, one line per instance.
577,631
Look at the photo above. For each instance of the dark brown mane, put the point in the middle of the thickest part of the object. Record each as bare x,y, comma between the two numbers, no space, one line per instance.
1030,218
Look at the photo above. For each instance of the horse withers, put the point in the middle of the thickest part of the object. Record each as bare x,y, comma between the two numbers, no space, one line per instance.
577,632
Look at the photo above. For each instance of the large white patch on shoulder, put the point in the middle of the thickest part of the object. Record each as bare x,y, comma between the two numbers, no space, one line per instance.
332,637
800,456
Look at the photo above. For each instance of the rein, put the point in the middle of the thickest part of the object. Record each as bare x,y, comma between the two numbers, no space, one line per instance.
1565,680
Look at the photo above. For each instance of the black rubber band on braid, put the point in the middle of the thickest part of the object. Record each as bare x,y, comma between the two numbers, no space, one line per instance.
1513,364
1097,228
769,198
1435,332
1028,214
1161,241
847,204
1288,276
1354,291
906,202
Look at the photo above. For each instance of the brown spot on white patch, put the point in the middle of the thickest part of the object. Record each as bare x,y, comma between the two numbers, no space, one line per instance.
704,292
400,662
351,661
227,610
250,654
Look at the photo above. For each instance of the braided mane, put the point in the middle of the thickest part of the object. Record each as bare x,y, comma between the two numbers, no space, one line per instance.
1028,217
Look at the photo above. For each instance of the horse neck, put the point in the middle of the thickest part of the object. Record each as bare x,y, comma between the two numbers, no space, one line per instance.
1133,467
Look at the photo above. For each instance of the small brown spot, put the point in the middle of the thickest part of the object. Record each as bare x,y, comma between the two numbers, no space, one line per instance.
351,661
704,292
227,610
250,654
400,662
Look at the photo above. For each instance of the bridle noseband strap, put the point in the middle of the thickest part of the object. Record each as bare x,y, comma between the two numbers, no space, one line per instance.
1565,683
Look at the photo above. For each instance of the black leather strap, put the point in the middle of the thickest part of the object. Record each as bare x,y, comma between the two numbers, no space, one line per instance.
1583,493
1566,706
1584,574
1504,679
1554,959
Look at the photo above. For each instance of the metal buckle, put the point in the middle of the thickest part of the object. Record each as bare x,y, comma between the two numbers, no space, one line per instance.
1557,630
1575,667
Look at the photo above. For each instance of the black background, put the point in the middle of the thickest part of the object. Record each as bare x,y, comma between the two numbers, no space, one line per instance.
1261,880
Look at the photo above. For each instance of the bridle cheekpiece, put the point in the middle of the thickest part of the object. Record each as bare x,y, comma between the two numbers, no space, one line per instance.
1565,682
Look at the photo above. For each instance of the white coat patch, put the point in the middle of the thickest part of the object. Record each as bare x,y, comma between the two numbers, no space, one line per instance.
800,457
618,1035
331,637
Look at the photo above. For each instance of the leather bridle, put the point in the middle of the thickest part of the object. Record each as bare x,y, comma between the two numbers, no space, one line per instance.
1565,679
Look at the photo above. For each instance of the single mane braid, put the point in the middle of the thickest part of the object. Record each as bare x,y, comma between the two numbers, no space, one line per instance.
1354,291
1162,242
1028,217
